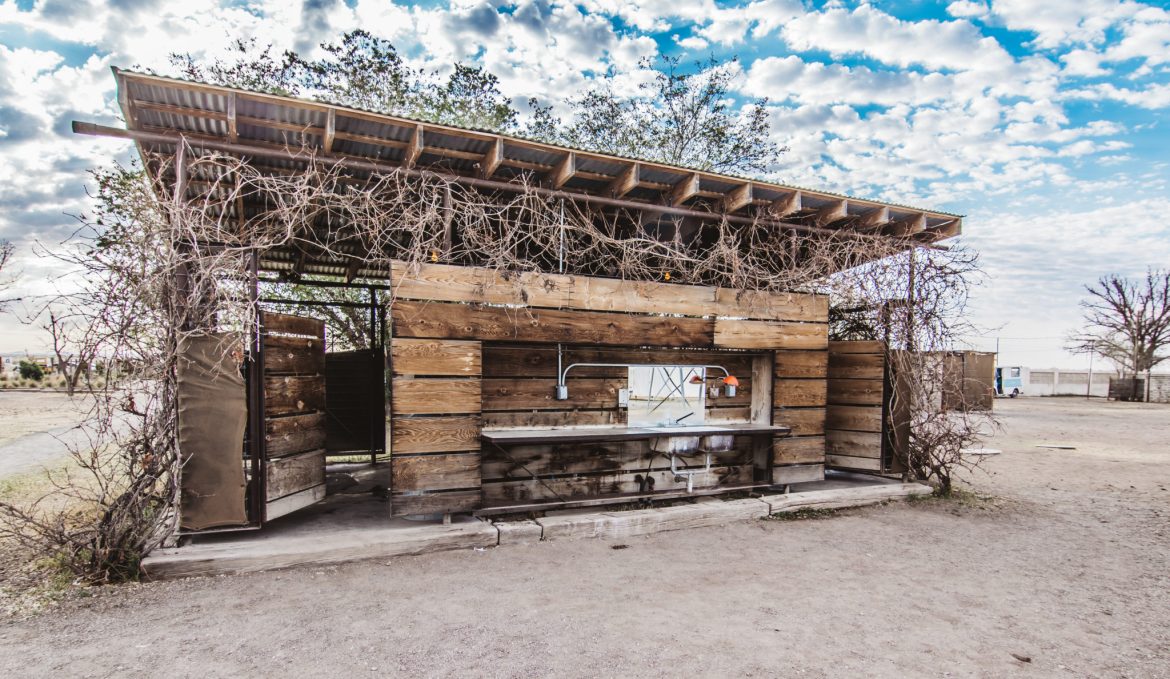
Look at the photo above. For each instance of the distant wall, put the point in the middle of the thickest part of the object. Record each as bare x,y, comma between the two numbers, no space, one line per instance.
1056,382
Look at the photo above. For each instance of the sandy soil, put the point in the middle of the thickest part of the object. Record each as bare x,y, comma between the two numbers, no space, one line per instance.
35,428
1067,567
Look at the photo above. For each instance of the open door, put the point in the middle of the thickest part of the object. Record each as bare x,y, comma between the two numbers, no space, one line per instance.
292,451
355,402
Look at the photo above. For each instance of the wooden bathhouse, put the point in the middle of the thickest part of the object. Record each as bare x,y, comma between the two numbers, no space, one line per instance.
493,392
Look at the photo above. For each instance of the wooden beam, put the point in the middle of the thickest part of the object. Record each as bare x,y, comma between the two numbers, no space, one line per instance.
684,190
564,170
908,226
625,182
414,149
787,205
831,212
874,218
233,126
739,197
330,130
492,159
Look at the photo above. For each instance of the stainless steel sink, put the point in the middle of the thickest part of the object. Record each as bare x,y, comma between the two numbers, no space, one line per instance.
685,429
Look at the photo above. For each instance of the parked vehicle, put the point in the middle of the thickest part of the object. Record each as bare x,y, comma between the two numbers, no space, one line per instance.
1009,381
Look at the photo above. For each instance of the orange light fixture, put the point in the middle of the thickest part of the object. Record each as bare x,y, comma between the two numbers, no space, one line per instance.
731,380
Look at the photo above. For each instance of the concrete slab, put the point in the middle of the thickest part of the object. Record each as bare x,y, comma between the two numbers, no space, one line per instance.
342,529
519,532
616,525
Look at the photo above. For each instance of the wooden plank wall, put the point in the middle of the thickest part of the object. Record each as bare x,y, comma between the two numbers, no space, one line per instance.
856,397
434,427
294,412
798,401
518,392
518,318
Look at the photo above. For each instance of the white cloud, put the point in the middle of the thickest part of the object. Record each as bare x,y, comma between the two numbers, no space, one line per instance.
967,9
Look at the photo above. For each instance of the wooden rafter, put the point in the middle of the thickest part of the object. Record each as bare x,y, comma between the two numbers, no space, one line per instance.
564,170
492,159
832,212
625,182
414,148
907,226
787,205
330,131
232,123
685,189
874,218
737,198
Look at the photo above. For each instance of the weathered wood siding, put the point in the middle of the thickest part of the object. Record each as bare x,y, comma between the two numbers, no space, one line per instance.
476,348
435,395
294,412
855,414
799,395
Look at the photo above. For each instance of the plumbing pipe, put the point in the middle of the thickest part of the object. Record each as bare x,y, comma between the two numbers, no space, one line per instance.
689,473
563,389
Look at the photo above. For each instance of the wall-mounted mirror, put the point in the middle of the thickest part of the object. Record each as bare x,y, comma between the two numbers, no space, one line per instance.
666,395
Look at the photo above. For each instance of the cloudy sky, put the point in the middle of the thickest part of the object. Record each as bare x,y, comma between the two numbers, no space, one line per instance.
1044,121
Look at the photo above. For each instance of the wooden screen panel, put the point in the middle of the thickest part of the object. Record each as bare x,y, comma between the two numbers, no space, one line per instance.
426,357
439,282
736,334
294,434
801,364
294,473
790,393
294,401
530,461
439,396
536,360
445,471
797,473
294,355
435,434
803,421
799,450
465,321
854,418
773,306
444,502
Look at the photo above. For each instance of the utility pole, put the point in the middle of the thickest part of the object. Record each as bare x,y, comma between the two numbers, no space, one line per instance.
1089,386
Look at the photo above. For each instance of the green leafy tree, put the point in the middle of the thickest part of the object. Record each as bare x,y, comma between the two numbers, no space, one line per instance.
31,370
679,118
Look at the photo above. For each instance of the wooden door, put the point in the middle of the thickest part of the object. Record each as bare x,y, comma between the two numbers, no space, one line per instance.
293,455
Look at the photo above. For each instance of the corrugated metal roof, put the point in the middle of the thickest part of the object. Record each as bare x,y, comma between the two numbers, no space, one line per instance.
212,100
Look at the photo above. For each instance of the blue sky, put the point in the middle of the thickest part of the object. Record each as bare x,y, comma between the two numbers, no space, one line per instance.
1044,122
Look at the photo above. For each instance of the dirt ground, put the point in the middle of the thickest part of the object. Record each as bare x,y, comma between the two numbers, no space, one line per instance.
1067,566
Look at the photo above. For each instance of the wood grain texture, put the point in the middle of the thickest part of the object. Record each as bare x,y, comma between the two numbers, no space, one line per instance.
857,347
855,392
799,450
854,418
294,434
439,396
804,421
284,324
734,334
524,462
434,434
444,471
798,473
866,464
518,394
534,360
464,321
789,393
514,492
803,364
771,306
294,473
435,503
453,358
440,282
857,366
293,355
542,419
293,394
854,443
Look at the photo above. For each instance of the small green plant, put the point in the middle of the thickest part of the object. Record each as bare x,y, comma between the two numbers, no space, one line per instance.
30,370
803,514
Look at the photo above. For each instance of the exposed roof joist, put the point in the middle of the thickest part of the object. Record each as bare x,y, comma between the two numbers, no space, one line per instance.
213,114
